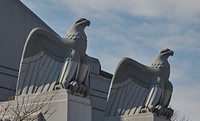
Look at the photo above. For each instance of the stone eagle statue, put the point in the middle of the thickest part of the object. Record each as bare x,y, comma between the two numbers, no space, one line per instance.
136,88
49,61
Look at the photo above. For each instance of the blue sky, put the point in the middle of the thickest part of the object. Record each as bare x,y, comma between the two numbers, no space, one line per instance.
138,29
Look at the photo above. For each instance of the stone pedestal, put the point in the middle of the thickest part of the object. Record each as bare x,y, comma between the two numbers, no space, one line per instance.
137,117
55,106
71,108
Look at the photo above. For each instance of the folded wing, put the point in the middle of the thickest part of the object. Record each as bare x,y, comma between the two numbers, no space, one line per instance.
129,89
42,61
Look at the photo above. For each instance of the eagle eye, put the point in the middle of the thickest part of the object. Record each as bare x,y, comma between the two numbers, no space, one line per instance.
80,20
165,50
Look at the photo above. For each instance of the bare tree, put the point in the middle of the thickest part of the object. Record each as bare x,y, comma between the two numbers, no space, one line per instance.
26,109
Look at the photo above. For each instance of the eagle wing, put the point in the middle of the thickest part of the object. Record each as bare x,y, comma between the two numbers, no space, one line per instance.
130,87
42,61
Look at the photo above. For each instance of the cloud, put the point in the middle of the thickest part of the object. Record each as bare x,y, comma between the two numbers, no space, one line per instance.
137,29
180,10
186,100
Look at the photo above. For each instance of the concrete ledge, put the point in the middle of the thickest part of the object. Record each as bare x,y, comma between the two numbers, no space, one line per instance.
57,105
137,117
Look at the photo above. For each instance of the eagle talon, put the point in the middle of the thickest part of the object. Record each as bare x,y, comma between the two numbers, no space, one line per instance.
145,110
80,87
86,92
159,110
83,89
73,86
170,113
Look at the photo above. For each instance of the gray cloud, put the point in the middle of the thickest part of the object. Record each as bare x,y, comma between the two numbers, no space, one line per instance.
184,11
186,101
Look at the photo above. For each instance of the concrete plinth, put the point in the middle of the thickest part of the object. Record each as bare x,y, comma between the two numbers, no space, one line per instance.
137,117
55,106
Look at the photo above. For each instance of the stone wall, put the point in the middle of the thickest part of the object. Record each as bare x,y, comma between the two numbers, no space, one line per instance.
16,21
100,83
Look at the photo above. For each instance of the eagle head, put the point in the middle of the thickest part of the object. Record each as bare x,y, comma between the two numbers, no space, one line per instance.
162,65
76,37
161,59
77,30
82,22
167,52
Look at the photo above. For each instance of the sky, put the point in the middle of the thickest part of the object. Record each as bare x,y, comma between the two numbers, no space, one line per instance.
138,29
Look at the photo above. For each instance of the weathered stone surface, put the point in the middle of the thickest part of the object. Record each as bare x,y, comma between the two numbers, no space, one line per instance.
49,60
59,105
99,86
137,117
136,88
15,24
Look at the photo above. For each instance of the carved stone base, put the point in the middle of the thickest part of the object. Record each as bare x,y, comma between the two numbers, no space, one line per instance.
56,105
137,117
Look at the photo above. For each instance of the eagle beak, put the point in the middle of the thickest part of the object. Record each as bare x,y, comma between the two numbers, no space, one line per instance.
171,52
88,23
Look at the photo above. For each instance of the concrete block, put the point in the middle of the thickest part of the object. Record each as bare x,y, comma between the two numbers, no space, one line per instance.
56,105
137,117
